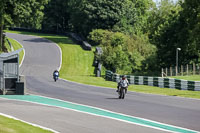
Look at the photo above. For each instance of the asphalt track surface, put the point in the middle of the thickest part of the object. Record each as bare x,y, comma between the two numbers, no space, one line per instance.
43,56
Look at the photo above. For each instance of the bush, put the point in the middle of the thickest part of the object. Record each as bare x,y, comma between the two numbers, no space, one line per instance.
123,53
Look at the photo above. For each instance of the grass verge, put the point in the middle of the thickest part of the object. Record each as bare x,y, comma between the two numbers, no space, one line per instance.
16,46
77,66
8,125
191,78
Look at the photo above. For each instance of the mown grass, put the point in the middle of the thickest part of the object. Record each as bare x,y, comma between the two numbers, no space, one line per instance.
7,46
77,66
8,125
191,77
17,46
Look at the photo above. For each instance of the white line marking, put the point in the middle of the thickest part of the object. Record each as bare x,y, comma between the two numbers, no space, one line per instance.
23,55
60,65
35,125
105,116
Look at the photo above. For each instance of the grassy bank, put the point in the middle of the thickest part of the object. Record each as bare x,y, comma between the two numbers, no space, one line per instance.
8,125
192,77
16,46
77,66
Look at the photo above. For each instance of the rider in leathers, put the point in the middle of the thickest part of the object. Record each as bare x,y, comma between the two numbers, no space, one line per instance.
123,83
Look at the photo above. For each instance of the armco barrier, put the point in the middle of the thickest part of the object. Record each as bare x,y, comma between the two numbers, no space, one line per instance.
156,81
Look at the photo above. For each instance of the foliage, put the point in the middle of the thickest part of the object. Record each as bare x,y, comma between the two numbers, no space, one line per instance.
56,16
27,13
123,53
101,14
189,35
176,26
129,27
21,13
162,27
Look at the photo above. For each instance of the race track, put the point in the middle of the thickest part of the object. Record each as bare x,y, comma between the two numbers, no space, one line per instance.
43,57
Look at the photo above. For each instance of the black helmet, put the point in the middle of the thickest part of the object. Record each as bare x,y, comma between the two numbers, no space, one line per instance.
123,76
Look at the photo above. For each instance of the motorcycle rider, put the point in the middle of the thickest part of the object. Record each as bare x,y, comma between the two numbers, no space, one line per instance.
56,73
123,83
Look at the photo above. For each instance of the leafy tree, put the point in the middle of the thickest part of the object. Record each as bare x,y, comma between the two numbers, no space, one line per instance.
123,53
189,35
162,31
2,12
21,13
100,14
56,16
27,13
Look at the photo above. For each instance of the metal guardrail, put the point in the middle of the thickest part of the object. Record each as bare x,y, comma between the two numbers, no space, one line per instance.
156,81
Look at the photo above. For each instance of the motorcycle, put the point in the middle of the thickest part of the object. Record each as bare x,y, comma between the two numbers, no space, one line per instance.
122,92
55,77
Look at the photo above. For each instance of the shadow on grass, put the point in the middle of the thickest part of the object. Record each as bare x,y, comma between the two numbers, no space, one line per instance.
53,37
61,39
102,76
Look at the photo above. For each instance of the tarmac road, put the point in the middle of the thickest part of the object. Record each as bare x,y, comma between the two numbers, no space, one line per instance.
43,56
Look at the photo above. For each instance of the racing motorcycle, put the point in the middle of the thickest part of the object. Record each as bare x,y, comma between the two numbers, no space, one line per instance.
122,92
55,77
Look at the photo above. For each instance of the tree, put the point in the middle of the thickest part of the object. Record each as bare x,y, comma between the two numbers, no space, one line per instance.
56,16
2,12
123,53
189,35
162,31
100,14
21,13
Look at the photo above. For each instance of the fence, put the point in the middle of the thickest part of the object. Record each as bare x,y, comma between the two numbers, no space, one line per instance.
192,69
156,81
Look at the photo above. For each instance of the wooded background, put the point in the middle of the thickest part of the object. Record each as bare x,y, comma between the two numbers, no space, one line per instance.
137,36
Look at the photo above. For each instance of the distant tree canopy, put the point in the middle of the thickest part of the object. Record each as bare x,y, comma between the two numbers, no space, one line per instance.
56,16
20,13
176,26
117,15
101,14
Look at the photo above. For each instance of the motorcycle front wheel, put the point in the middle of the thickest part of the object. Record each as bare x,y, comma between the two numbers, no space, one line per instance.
122,93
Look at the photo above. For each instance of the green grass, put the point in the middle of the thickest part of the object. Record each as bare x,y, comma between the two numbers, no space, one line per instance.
77,66
191,78
165,91
7,46
16,46
8,125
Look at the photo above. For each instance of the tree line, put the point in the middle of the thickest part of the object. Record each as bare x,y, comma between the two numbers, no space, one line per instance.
137,36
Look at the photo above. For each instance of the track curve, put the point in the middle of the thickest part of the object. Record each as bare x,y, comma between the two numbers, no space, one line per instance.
43,56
